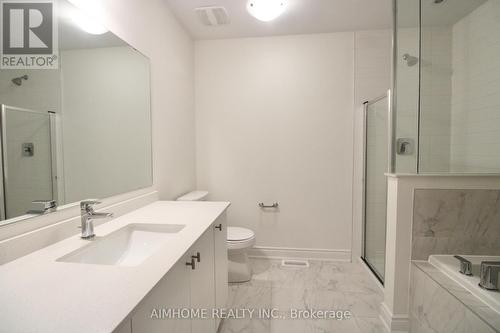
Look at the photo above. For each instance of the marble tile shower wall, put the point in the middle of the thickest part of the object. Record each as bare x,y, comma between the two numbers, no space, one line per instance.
455,221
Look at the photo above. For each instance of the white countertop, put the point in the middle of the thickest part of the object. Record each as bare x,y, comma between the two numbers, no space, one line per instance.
38,294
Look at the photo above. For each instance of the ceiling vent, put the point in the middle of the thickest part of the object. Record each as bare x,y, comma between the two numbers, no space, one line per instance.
213,16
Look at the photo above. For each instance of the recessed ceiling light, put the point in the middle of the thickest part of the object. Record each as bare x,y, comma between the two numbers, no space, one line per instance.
266,10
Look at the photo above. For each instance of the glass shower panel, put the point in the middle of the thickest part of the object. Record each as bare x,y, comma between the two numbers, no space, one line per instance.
27,159
460,87
376,165
406,69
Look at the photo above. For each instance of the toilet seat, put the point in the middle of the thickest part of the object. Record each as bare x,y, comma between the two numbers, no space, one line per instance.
240,238
237,234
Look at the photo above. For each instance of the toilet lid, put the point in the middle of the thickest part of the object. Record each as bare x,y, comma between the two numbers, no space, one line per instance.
239,234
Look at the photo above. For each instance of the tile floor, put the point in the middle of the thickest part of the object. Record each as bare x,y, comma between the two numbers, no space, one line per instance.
322,286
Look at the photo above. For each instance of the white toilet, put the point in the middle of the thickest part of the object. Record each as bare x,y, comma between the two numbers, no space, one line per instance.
239,241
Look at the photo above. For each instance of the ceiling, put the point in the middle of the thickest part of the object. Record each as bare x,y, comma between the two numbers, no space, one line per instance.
301,17
72,37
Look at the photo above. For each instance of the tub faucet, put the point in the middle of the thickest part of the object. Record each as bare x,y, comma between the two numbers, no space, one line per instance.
465,266
88,214
489,275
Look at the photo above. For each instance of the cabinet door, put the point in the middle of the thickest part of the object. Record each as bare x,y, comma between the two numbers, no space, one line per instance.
172,292
203,282
221,272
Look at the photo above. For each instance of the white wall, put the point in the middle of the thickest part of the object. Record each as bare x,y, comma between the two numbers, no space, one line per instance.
151,28
274,123
106,136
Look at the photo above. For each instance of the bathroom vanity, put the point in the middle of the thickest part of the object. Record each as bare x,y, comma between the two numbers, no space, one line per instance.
166,255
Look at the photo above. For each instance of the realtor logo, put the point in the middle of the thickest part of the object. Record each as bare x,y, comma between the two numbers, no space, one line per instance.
29,35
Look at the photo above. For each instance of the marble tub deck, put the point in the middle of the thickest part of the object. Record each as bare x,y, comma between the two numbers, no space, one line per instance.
465,310
322,286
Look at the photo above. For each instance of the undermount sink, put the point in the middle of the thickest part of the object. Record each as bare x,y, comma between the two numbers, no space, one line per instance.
128,246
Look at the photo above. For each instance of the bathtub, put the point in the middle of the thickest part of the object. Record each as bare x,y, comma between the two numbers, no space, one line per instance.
450,266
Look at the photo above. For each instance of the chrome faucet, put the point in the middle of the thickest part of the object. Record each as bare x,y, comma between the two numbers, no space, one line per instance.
88,214
465,266
489,275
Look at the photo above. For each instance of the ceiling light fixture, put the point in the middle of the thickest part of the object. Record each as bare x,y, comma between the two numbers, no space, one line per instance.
87,23
266,10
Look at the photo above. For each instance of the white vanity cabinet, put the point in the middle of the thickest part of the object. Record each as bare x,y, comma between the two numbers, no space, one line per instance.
221,276
204,287
203,281
172,292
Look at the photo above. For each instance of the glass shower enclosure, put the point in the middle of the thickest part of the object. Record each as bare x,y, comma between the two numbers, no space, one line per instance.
447,86
27,159
442,116
377,161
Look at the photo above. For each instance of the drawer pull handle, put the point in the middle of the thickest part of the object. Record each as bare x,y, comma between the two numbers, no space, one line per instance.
192,263
197,257
219,227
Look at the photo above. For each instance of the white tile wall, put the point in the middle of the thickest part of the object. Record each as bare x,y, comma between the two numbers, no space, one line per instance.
460,94
475,117
406,98
435,99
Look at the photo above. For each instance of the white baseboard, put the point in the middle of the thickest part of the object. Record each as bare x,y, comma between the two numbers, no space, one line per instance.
394,323
299,253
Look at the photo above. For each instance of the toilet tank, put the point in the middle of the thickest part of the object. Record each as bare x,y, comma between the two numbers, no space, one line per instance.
194,196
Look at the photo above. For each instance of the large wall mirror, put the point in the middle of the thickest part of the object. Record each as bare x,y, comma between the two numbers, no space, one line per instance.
80,131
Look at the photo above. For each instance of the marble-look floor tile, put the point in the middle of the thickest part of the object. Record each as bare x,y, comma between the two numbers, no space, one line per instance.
292,298
315,326
286,299
371,325
336,326
342,267
358,283
251,297
338,286
285,277
246,325
363,305
330,300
